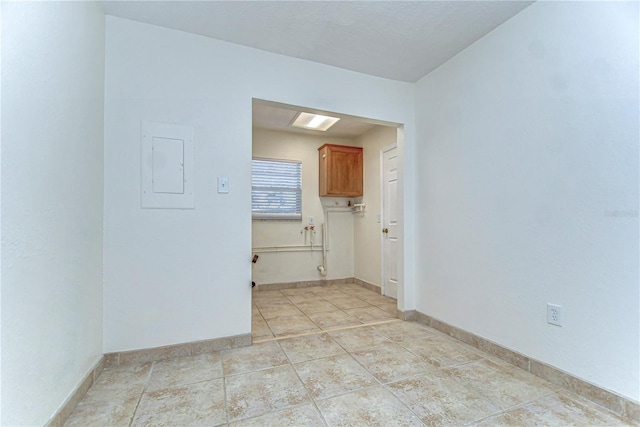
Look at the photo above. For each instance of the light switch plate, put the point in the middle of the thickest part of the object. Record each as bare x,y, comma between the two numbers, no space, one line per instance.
223,184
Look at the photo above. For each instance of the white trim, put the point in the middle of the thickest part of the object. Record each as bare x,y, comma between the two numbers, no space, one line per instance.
258,216
384,150
286,248
270,159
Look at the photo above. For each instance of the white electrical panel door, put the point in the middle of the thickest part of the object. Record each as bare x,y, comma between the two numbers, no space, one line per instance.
167,166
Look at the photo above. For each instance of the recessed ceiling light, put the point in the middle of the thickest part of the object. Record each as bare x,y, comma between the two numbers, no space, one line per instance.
313,121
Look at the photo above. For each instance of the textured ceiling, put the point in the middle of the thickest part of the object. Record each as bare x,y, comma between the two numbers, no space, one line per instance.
400,40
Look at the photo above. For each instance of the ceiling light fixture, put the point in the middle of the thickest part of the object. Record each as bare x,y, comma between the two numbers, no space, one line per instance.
313,121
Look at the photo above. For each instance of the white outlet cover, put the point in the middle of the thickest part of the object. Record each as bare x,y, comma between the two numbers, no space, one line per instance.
223,184
555,315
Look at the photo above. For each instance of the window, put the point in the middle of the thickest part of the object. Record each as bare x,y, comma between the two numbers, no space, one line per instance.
276,189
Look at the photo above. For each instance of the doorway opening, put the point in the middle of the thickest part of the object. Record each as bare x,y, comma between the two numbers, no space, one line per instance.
333,241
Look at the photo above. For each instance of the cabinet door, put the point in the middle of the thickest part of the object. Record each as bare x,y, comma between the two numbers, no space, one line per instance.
342,171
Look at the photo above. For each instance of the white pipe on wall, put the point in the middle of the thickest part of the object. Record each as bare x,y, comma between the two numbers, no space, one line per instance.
323,268
284,248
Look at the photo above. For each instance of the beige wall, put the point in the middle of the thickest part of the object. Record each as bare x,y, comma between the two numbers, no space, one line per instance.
367,231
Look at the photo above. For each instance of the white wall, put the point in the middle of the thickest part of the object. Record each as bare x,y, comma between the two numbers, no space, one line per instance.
0,221
52,163
527,190
294,261
367,229
175,276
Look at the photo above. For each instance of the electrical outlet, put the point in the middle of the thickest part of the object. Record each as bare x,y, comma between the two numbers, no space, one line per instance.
554,314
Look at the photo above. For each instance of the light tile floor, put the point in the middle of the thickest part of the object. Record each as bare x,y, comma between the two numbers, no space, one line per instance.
314,309
333,370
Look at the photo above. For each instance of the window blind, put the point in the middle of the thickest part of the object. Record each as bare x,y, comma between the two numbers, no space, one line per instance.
276,189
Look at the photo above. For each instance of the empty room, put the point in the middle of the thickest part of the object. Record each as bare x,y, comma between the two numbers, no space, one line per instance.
320,213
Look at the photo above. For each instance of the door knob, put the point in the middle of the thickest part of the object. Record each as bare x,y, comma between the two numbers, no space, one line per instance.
385,230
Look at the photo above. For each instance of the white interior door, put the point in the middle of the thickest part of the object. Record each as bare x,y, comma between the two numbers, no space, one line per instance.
390,222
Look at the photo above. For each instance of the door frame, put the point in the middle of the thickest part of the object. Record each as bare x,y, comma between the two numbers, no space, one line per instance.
403,141
384,150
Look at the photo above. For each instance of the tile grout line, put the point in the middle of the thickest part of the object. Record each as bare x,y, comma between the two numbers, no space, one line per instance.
405,405
278,339
523,404
480,392
359,364
263,318
511,408
325,299
224,389
385,385
144,388
294,304
224,384
307,315
438,368
500,411
380,383
388,389
487,357
303,385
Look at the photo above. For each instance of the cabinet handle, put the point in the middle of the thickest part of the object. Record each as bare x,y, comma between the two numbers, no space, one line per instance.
385,230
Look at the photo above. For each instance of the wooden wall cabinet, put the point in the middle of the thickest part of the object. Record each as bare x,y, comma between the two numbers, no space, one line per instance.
340,170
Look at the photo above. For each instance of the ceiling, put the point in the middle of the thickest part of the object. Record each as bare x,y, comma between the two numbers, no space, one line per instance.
400,40
272,116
